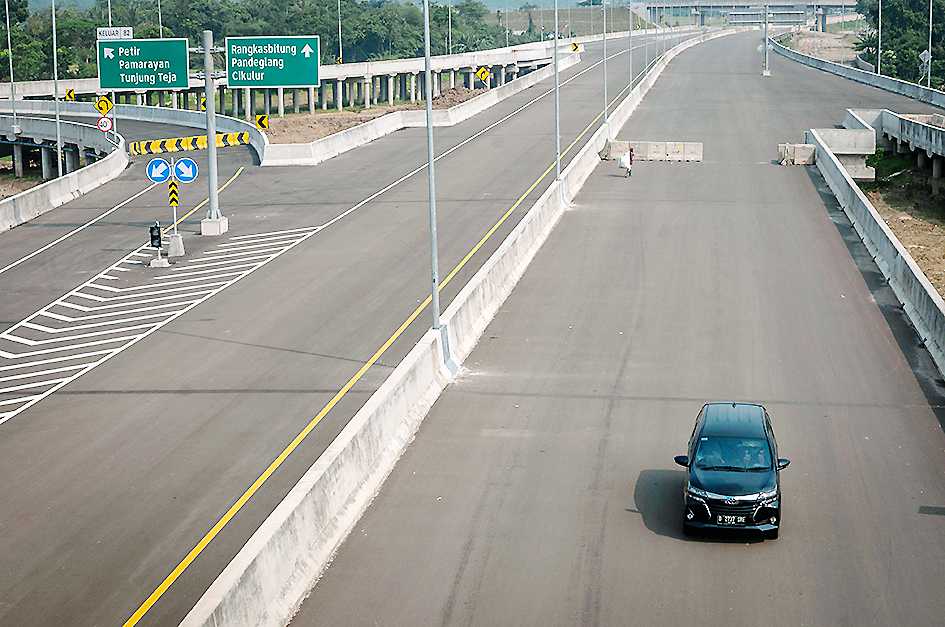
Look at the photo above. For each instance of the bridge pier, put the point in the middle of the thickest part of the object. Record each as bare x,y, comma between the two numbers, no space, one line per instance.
390,90
18,160
280,96
937,167
413,88
920,159
47,159
71,154
470,78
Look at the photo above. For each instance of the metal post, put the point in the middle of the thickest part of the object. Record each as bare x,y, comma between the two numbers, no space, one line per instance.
114,98
10,59
507,23
766,71
449,27
340,50
879,40
213,213
603,5
630,44
928,77
557,104
431,177
160,22
55,43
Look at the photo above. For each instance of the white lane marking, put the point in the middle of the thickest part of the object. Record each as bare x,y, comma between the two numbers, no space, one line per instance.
213,261
185,269
271,233
119,324
55,316
271,239
230,250
200,272
40,373
79,229
55,360
32,386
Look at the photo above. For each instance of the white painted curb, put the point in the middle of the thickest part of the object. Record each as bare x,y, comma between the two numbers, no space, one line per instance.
268,579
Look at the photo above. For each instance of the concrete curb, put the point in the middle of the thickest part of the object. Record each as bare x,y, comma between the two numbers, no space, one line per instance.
34,202
903,88
269,577
320,150
920,300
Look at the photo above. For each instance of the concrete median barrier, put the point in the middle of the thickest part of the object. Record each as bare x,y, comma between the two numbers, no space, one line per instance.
269,577
920,300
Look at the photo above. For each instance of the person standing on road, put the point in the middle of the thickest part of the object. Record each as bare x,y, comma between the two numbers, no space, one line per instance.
626,160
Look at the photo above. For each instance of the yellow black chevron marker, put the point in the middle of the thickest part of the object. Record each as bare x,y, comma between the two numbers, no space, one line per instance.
262,121
179,144
70,95
173,194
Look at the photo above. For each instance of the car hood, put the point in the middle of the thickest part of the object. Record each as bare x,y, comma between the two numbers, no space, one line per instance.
728,483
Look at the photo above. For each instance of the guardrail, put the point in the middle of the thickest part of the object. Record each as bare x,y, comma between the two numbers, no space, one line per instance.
921,302
903,88
47,196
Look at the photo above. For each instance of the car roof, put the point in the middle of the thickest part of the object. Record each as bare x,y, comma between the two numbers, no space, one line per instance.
734,419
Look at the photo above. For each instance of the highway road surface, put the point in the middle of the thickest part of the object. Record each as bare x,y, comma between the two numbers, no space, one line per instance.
541,489
197,377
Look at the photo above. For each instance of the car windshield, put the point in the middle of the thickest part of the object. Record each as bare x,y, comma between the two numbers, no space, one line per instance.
735,454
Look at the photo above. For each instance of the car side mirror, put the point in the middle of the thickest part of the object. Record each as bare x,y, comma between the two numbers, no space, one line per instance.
783,463
682,460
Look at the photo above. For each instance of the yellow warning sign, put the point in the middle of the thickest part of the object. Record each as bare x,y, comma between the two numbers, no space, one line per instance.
173,194
70,95
203,103
262,121
103,105
483,74
575,47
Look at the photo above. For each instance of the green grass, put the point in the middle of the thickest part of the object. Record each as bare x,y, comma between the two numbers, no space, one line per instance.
887,163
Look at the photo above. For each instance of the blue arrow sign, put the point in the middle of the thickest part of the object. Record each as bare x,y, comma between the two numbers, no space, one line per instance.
185,170
159,170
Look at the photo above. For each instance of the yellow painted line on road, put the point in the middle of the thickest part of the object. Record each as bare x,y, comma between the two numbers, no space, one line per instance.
298,439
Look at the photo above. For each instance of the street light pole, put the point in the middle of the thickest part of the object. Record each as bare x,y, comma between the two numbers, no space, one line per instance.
341,55
431,176
879,40
449,27
928,77
160,20
10,59
55,43
603,5
766,71
557,105
630,44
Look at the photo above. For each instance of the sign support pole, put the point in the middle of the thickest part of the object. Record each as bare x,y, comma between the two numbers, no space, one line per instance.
114,98
56,89
215,223
16,129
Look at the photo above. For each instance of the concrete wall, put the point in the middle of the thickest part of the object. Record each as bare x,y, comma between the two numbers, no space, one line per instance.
271,574
320,150
920,300
904,88
47,196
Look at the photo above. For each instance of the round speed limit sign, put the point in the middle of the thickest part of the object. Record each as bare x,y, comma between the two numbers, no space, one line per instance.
105,124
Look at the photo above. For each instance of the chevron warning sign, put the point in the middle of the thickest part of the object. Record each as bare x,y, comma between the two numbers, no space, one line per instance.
180,144
173,194
70,95
262,121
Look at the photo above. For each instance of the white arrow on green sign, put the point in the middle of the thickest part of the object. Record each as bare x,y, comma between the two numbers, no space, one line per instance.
289,61
136,64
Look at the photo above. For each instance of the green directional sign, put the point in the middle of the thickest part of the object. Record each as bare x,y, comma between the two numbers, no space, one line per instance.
135,64
290,61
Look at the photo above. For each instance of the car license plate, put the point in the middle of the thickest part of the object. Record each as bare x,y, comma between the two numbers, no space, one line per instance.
724,519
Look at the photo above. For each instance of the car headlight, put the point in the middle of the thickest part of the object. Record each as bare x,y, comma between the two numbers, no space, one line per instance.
768,497
697,493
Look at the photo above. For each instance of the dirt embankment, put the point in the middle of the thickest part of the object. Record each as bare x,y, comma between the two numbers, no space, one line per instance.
304,127
919,223
837,47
